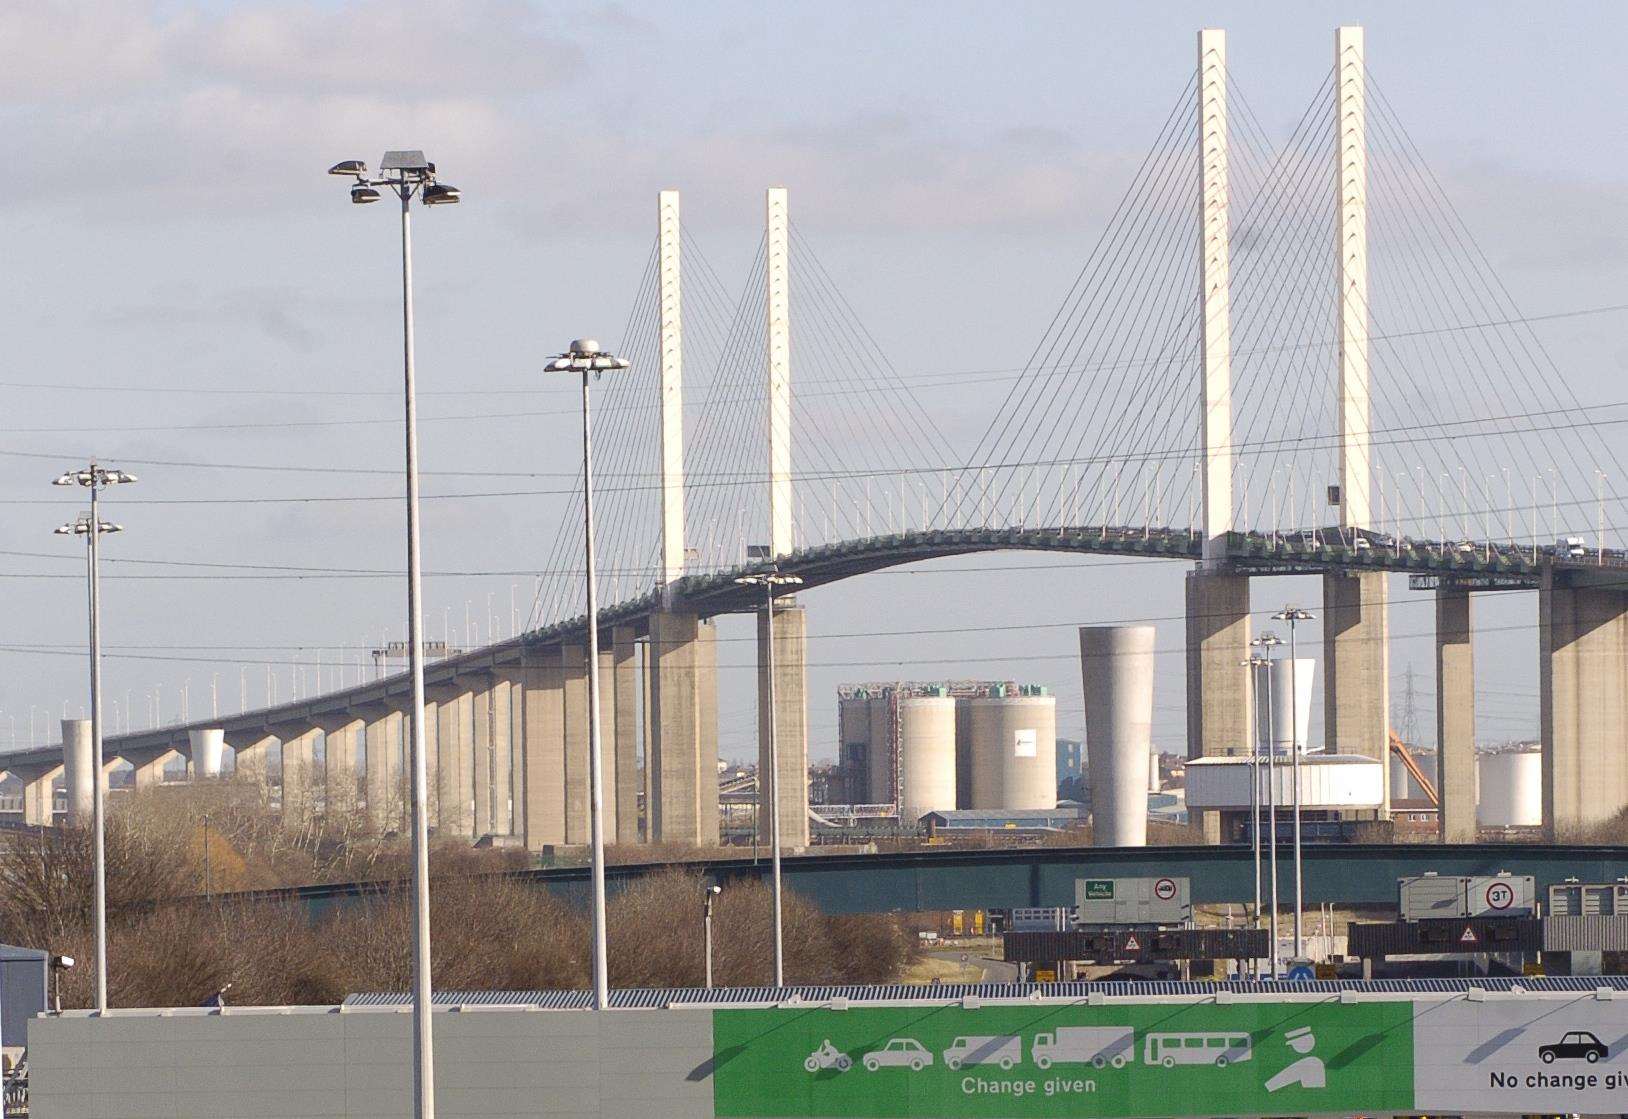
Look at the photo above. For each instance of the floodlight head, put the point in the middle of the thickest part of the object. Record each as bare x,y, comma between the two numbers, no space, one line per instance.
584,347
349,167
441,194
362,194
65,480
63,530
715,890
119,477
406,161
62,963
106,526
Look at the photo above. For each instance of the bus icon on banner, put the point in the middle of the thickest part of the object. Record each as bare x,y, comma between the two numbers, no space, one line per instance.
1212,1048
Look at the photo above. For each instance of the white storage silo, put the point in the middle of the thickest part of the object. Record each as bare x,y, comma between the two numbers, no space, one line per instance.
1403,784
1116,667
1014,751
926,755
1280,723
1511,793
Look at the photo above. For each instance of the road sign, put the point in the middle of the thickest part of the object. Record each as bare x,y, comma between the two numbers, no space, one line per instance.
1500,895
1300,973
1164,889
1132,944
1468,937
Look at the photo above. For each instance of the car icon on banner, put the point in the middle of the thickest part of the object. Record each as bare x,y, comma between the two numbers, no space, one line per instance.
1577,1045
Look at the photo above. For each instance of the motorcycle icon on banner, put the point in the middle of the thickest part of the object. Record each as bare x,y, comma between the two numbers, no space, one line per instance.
828,1056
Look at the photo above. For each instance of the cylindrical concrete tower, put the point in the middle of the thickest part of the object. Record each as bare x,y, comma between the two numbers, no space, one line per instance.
1511,789
926,756
1014,751
78,771
208,746
880,763
1116,666
1155,779
1286,722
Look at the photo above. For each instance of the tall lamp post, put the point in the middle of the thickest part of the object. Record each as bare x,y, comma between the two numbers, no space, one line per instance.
1293,614
1254,664
770,581
91,526
405,174
707,897
585,357
1267,642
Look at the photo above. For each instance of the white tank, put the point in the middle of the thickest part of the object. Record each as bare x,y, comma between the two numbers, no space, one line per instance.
881,751
926,756
1286,723
207,747
1403,786
1511,789
78,764
1116,666
1014,751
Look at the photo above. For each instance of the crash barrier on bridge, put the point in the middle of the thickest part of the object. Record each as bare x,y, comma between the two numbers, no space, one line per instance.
1059,1050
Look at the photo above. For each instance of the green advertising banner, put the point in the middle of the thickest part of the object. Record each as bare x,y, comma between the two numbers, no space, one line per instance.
1146,1059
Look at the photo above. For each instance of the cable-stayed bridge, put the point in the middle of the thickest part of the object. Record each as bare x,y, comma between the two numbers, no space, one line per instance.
1286,357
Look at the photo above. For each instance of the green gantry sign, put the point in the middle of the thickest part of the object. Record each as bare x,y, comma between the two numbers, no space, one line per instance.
1099,889
1147,1059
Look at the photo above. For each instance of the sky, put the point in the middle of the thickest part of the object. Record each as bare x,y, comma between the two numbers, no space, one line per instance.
188,296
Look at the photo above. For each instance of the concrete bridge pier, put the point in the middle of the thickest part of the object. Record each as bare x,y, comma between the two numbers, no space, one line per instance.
1356,669
206,749
78,765
538,691
574,680
1455,716
610,718
39,793
622,686
1219,712
382,768
253,755
684,726
340,791
299,771
786,783
149,767
1583,702
453,777
484,739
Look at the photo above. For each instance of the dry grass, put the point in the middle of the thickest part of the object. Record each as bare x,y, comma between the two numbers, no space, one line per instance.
170,947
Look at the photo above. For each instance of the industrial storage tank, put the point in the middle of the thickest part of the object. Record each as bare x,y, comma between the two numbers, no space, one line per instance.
880,766
1403,784
1279,722
926,756
1511,789
1116,666
1014,751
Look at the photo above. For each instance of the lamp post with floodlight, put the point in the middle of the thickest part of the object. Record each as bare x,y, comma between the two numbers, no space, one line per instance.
1293,614
585,357
770,581
708,895
1268,642
91,526
405,174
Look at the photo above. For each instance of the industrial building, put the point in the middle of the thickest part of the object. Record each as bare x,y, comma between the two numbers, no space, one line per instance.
947,745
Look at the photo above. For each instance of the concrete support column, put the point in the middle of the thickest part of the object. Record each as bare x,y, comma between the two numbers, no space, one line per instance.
574,675
254,762
481,698
503,798
624,686
1219,711
454,761
1455,716
340,792
299,774
207,747
541,697
1116,668
610,718
382,741
39,796
647,740
683,717
1583,704
787,784
150,771
1356,669
78,766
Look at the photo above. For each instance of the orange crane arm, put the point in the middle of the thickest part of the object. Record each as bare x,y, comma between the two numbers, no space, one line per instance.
1411,764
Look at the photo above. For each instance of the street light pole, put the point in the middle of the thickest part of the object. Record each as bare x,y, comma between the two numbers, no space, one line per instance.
91,526
1269,641
1293,614
585,357
706,903
769,580
1253,664
406,173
